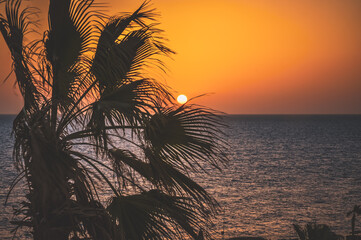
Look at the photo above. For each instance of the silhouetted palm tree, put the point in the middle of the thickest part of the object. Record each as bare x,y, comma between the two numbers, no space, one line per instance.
354,212
92,121
313,231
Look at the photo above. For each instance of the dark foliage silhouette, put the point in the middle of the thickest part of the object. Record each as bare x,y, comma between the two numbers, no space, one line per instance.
354,212
313,231
93,120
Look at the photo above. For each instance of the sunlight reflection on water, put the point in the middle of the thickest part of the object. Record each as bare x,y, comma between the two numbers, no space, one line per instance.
283,170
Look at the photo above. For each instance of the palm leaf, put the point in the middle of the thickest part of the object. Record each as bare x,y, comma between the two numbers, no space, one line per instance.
164,176
185,134
119,55
153,215
128,105
70,36
13,26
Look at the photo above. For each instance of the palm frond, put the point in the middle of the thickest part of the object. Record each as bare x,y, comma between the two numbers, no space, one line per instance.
128,105
153,215
69,38
120,55
14,26
164,176
185,134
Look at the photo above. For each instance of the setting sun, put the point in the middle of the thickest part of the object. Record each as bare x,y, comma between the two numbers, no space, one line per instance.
182,99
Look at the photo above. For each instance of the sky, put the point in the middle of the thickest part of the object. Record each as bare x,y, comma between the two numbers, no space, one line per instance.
251,56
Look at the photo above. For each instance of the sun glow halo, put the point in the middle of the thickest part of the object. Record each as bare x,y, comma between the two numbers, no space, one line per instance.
182,99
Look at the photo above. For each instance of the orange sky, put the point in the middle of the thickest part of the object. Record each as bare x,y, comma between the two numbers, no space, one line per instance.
253,56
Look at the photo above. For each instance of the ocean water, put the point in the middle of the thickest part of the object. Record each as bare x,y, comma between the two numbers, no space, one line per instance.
283,169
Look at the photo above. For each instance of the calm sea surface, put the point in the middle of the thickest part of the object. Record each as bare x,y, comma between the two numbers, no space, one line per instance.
283,170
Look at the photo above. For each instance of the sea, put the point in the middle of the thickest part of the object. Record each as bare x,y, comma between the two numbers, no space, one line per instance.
282,170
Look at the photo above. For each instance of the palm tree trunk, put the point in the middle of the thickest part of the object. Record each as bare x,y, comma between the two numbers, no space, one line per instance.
49,190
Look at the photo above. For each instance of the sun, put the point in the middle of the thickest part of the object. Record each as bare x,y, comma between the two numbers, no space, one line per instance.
182,99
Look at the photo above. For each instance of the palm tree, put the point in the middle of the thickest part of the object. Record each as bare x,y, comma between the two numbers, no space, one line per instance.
354,212
313,231
94,120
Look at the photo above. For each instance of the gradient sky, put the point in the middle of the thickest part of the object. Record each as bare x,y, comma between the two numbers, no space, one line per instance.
252,56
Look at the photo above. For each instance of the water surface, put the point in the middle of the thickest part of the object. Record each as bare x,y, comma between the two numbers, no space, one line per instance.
282,170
